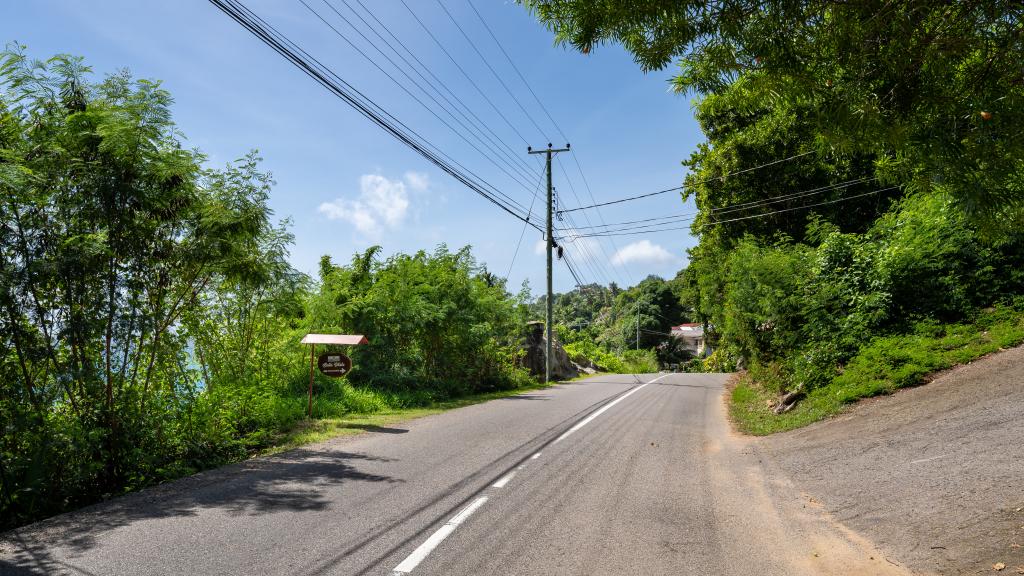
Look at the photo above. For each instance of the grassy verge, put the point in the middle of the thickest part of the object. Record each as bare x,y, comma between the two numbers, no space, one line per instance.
310,431
883,366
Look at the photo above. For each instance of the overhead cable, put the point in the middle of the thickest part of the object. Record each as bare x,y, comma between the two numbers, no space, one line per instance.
327,78
402,86
667,190
426,69
716,222
689,216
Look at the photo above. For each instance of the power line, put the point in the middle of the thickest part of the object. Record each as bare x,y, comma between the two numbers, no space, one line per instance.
572,270
327,78
491,68
836,201
427,69
568,179
589,258
523,233
689,216
656,332
615,233
516,68
572,222
793,195
667,190
463,71
600,217
405,89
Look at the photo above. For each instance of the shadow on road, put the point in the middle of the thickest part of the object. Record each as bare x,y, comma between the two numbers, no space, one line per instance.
526,397
292,481
375,428
709,387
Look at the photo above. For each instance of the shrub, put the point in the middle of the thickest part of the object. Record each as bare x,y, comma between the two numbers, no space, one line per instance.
718,361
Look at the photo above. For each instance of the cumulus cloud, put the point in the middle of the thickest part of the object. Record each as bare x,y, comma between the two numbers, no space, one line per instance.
642,252
382,203
418,181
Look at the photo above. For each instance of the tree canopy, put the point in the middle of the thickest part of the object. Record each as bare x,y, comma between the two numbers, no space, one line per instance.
931,91
892,190
150,323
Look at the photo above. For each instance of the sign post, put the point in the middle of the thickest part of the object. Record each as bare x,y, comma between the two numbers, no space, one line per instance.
335,365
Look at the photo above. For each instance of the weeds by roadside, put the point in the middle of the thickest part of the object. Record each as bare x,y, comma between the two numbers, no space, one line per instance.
885,365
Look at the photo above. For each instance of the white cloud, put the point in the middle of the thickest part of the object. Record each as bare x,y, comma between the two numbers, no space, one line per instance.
418,181
642,252
382,203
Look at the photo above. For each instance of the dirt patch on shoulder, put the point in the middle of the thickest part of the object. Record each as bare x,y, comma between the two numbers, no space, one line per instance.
934,475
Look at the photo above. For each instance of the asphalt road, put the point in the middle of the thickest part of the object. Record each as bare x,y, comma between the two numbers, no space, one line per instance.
612,475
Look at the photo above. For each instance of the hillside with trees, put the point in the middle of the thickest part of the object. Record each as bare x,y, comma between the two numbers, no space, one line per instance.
151,322
892,210
622,330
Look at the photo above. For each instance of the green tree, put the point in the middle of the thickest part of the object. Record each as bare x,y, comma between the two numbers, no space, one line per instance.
932,90
110,235
438,324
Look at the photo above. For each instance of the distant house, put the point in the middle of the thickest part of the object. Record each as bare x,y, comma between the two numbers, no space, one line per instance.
692,336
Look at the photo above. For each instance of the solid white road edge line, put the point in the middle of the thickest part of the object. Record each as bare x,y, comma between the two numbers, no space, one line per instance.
928,459
587,420
504,480
424,550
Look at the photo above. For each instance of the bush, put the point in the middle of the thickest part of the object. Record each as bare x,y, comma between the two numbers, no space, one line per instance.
884,365
804,311
639,361
631,361
718,361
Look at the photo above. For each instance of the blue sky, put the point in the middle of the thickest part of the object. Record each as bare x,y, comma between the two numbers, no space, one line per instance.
346,184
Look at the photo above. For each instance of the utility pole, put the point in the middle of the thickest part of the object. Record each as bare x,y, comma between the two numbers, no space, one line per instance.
638,322
550,243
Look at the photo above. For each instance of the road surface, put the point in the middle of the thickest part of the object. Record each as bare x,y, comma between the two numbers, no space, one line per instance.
613,475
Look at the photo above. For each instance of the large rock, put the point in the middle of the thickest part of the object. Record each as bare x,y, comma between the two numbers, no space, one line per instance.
562,367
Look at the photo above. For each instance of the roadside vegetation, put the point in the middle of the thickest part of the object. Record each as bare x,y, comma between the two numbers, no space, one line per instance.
885,365
622,330
889,215
151,322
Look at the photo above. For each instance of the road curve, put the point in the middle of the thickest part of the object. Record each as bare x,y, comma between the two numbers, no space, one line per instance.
624,474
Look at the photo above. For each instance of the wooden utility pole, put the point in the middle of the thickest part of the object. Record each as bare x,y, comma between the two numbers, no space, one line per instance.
550,243
638,322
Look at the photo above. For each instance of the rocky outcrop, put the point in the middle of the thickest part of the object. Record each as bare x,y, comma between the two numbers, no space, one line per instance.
562,368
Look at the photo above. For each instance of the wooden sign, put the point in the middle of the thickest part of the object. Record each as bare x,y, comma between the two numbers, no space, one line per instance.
334,364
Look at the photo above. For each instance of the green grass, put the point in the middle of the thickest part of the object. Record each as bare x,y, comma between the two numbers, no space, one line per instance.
320,429
884,366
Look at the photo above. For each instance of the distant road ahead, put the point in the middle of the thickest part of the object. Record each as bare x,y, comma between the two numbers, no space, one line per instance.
613,475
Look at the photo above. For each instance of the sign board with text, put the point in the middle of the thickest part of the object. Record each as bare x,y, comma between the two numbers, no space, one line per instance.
334,364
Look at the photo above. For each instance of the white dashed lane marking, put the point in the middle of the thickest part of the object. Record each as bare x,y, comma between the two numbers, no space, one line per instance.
435,539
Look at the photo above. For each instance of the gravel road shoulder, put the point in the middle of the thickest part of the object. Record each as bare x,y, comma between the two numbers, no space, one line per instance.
933,475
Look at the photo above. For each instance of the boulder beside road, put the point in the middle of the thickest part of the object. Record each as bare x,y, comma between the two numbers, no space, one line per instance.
562,368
